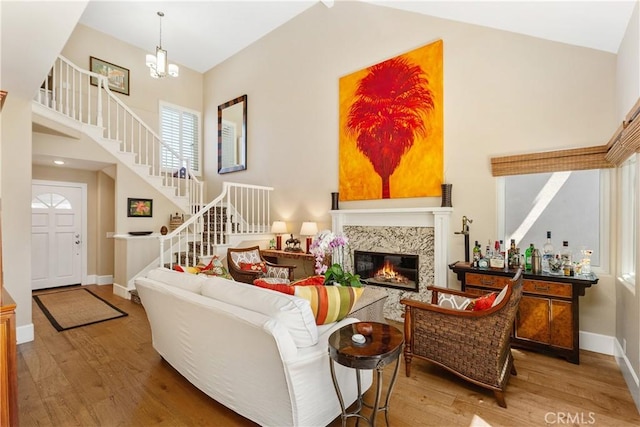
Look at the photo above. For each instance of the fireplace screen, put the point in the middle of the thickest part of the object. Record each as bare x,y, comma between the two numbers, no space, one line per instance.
399,271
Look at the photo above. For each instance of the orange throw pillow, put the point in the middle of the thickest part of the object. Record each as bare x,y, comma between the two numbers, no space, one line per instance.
310,281
482,303
258,266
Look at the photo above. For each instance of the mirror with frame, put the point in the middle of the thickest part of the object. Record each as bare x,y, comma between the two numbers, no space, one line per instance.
232,135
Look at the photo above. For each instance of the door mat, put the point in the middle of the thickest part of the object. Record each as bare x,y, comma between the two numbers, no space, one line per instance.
75,308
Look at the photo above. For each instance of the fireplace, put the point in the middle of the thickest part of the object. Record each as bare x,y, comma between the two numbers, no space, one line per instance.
391,270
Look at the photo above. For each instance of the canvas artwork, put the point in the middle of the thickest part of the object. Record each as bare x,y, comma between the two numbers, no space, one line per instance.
391,128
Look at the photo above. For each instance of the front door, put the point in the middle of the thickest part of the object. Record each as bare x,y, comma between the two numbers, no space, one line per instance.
56,235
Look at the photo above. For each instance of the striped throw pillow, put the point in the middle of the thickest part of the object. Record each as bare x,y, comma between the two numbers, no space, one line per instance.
329,303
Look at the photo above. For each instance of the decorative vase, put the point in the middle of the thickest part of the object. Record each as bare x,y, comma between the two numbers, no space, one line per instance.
446,195
163,230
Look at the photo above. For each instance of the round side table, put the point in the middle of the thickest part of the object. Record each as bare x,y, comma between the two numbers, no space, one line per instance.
382,346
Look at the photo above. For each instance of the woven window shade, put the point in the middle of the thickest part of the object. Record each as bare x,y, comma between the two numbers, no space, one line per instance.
626,141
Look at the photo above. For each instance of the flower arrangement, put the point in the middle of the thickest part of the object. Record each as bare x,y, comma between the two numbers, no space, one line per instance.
327,243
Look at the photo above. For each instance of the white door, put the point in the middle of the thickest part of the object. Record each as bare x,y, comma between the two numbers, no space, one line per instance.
56,235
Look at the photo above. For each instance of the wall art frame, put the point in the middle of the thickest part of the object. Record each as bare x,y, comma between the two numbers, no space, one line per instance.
117,76
139,208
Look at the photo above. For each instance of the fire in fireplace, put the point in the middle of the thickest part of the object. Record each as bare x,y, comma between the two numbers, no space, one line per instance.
399,271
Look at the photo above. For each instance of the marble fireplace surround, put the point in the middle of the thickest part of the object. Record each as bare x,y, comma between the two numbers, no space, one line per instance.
423,231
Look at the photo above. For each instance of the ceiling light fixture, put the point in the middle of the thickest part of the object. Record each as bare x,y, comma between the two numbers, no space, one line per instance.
158,65
58,162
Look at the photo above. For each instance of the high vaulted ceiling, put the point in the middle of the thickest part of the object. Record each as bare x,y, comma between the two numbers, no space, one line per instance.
201,34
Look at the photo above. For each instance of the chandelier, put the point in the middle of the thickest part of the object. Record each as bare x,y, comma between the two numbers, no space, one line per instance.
158,65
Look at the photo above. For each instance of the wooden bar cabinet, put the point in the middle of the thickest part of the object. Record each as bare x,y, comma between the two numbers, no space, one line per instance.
548,317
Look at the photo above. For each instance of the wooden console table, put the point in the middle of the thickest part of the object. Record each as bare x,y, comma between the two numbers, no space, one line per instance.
548,316
307,260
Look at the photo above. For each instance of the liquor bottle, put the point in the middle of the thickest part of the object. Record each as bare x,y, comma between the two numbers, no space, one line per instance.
547,254
565,257
476,254
497,259
511,254
527,257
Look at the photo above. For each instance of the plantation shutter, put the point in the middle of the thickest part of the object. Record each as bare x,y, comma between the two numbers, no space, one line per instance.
179,129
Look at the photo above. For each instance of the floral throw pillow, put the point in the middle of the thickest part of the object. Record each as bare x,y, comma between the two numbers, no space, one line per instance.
255,266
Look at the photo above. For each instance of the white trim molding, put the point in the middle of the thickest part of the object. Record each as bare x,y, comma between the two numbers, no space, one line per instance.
630,377
122,291
25,333
438,218
597,343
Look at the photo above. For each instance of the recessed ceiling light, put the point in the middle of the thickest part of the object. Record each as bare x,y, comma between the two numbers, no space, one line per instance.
58,162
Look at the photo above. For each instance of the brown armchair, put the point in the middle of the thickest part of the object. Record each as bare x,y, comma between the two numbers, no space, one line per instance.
475,345
251,255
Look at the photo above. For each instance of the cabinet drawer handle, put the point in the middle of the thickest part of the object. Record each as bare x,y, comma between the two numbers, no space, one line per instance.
487,281
542,288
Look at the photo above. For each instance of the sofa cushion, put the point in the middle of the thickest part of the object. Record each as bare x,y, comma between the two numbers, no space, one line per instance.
254,266
329,303
189,282
482,303
292,312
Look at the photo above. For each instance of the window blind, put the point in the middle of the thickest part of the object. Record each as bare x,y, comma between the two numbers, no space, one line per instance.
625,141
180,130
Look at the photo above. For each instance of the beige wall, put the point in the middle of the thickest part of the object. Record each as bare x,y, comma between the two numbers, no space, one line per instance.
16,204
628,302
504,93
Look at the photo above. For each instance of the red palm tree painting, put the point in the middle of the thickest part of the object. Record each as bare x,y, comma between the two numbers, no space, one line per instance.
391,128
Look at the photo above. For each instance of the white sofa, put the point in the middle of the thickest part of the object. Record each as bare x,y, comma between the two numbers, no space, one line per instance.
256,351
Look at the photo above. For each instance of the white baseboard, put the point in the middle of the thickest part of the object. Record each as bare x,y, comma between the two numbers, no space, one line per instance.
25,333
630,377
104,280
99,280
122,291
596,342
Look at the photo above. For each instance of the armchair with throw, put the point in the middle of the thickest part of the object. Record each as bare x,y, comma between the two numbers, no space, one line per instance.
246,265
475,345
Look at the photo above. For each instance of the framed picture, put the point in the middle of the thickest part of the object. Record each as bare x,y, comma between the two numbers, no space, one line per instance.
140,208
118,76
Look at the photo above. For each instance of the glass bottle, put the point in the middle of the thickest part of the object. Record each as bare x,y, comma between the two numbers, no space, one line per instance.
527,257
476,254
511,254
497,259
565,257
547,254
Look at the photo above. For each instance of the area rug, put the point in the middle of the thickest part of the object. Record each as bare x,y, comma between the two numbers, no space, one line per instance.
75,308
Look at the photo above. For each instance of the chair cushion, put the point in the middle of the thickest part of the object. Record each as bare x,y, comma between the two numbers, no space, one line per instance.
500,296
329,303
455,302
482,303
253,266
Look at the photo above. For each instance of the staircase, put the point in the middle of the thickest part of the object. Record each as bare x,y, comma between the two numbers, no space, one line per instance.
82,101
68,96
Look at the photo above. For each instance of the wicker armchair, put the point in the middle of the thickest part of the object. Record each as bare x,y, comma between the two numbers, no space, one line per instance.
475,345
251,255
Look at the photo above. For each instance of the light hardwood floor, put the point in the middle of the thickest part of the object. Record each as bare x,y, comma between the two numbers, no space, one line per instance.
108,374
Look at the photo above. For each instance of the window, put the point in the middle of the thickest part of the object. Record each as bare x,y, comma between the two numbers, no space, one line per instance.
180,129
628,219
50,200
569,204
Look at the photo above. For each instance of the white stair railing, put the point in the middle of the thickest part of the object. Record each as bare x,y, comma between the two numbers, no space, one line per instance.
70,91
240,209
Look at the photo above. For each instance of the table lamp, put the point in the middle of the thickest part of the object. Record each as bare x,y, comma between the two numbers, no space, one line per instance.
309,229
278,228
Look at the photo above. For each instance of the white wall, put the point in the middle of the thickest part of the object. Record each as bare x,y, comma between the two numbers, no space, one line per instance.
504,93
628,302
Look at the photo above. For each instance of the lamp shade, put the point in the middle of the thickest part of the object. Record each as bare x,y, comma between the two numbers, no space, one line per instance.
309,229
278,227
